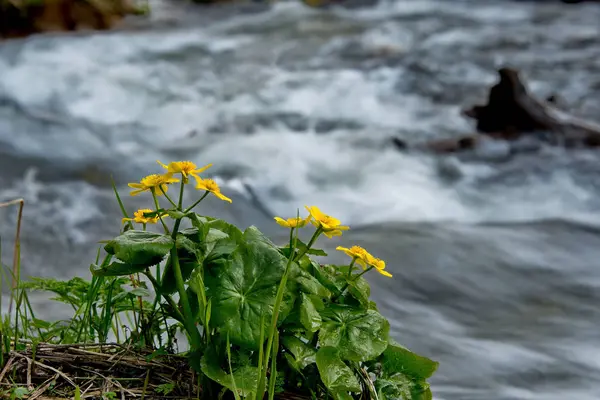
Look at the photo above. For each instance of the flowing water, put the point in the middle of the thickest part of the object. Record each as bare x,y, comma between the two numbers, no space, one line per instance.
495,261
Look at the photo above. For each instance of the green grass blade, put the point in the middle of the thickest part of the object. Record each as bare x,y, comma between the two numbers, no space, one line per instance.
121,206
273,375
261,356
235,391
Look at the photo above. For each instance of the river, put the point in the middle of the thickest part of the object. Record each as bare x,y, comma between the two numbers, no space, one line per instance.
495,262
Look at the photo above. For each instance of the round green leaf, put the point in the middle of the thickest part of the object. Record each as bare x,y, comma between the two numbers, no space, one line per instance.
117,269
335,374
243,289
303,353
309,316
397,358
140,247
244,378
402,387
360,335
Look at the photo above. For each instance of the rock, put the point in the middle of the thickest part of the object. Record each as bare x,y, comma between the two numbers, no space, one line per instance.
61,15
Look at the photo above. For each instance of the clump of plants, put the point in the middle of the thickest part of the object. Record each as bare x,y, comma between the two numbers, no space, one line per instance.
260,319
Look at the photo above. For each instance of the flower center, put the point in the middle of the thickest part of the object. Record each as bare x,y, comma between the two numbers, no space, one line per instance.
211,185
152,180
187,166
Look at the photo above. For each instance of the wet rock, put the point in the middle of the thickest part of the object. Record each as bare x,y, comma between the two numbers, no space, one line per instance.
326,126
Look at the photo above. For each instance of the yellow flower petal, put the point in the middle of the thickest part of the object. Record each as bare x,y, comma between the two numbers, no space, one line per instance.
211,186
295,222
357,253
282,222
136,192
222,197
151,182
330,225
333,233
184,168
384,273
199,170
163,165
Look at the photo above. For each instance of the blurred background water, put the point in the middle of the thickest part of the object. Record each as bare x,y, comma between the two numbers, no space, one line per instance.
495,263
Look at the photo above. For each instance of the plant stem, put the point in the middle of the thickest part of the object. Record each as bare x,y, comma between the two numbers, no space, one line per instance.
179,317
190,326
180,203
190,208
158,208
275,317
351,266
357,277
310,243
167,196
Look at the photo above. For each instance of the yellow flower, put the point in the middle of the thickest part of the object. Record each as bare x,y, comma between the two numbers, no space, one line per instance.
153,181
356,252
296,222
378,264
330,226
211,186
184,168
140,218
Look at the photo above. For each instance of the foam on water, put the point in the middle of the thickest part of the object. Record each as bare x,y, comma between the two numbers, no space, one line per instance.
149,95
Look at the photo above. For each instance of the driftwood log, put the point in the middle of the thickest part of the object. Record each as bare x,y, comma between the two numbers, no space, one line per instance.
511,113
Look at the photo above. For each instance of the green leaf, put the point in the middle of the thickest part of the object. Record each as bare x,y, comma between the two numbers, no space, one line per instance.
117,269
246,376
360,335
397,358
342,396
302,353
243,288
168,284
194,302
301,246
176,214
309,315
232,231
40,323
193,234
139,291
373,306
222,239
306,282
215,235
402,387
165,388
189,246
140,247
329,277
20,392
360,290
335,374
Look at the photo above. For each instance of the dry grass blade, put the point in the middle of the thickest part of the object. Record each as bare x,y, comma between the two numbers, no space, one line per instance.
42,389
129,373
98,369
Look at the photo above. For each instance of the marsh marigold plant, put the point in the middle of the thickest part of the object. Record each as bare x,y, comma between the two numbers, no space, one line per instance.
259,318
